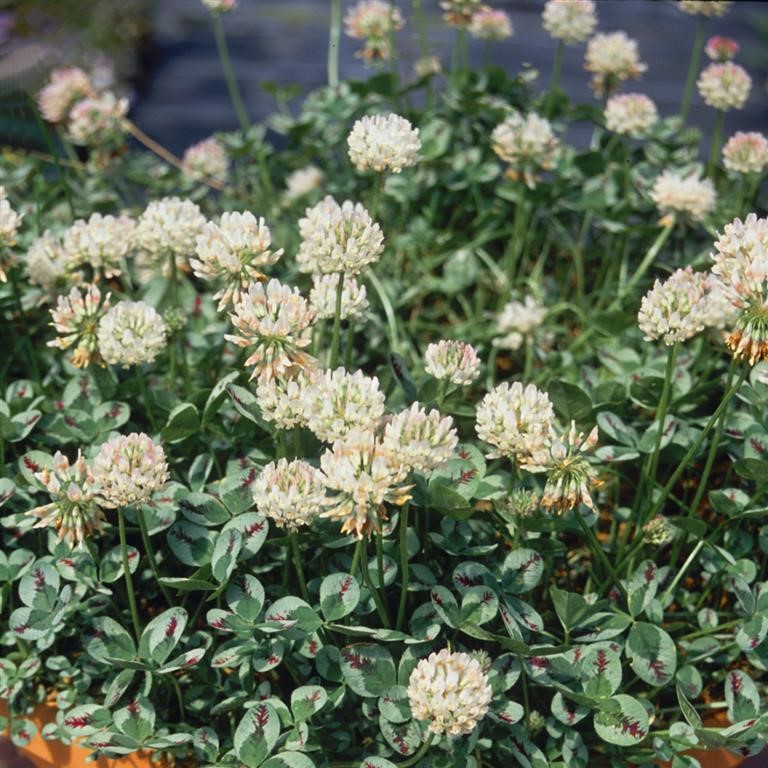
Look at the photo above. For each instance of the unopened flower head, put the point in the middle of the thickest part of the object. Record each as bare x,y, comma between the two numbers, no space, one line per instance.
612,58
518,322
741,264
10,221
746,153
360,478
336,402
490,24
675,310
373,21
282,400
527,143
207,160
675,193
659,531
721,49
453,361
450,692
724,86
169,226
73,511
76,319
301,182
515,420
521,502
571,21
322,297
338,238
46,263
427,65
65,88
419,440
570,475
131,333
98,120
101,243
383,143
234,252
274,323
458,13
633,114
219,6
129,469
704,7
291,494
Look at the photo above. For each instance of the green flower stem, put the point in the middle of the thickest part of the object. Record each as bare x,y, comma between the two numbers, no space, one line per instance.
356,557
380,607
648,259
127,573
554,79
528,365
404,570
334,357
693,68
380,559
349,345
296,554
423,749
150,552
421,25
597,550
386,303
229,75
679,575
334,37
516,246
27,343
178,337
716,142
145,398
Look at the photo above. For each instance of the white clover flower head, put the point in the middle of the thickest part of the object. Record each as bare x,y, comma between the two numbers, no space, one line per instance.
337,402
235,252
704,7
73,511
570,475
76,318
338,238
458,13
207,160
419,440
426,66
360,478
383,143
675,310
676,193
453,361
131,333
490,24
571,21
518,322
724,86
450,692
46,263
65,88
659,531
274,322
612,58
129,469
720,312
98,120
373,21
169,226
746,153
719,48
515,420
220,6
291,494
527,143
633,114
322,297
741,264
282,400
10,221
303,181
101,242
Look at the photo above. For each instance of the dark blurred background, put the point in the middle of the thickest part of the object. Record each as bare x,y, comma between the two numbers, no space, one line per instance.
164,54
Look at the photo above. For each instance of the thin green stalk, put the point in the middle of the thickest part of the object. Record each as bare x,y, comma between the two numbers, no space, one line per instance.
356,557
693,68
516,246
334,356
150,552
421,25
179,697
177,306
296,554
679,575
127,573
423,749
349,345
716,142
333,44
229,74
380,559
554,79
648,259
380,607
404,570
599,553
389,311
27,343
528,365
145,397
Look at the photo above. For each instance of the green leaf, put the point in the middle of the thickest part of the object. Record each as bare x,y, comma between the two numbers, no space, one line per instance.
289,760
218,396
642,587
137,720
225,552
293,611
339,596
109,417
742,696
368,669
652,654
622,720
394,706
162,635
256,735
183,421
104,638
192,544
307,700
570,402
522,570
752,469
245,596
479,605
687,709
600,670
39,588
86,720
571,608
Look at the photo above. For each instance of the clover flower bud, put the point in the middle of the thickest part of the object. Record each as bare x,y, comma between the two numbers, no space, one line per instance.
633,114
612,58
453,361
383,143
205,161
291,494
724,86
131,333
